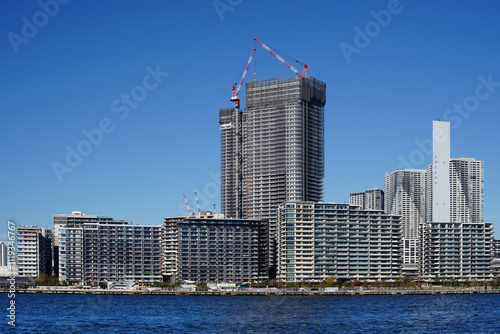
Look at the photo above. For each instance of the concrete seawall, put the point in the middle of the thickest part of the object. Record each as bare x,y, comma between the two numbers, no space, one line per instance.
260,292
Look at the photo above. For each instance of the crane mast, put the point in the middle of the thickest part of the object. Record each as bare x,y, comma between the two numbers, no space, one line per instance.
236,89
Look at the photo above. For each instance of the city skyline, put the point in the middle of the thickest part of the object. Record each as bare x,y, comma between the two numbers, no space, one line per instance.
165,144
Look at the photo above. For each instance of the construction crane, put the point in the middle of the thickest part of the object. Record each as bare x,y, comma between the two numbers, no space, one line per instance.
301,75
197,203
305,68
236,88
187,204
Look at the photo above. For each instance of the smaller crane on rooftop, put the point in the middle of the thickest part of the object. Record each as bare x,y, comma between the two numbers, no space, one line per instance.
187,204
197,203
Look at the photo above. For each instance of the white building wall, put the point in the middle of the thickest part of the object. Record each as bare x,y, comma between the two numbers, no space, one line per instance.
357,198
441,171
4,249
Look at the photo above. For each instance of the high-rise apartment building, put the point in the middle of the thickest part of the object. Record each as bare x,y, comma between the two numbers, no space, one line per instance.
4,253
496,249
208,248
8,257
71,253
405,195
318,240
357,198
93,248
374,199
34,251
495,264
232,153
370,199
466,190
439,173
73,220
455,186
285,143
456,240
273,151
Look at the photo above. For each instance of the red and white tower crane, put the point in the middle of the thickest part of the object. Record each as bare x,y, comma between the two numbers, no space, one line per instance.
236,88
187,204
301,75
197,203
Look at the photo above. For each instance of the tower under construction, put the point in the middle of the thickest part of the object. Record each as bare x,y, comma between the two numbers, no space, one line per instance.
273,151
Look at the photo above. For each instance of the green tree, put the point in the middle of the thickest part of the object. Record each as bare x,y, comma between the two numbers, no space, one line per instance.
42,279
330,282
292,285
54,281
406,281
264,283
339,282
495,282
355,282
161,284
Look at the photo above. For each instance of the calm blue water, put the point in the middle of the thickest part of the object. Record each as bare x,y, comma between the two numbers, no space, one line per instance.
255,314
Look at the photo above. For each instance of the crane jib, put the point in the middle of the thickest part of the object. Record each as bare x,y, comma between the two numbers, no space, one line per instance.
278,57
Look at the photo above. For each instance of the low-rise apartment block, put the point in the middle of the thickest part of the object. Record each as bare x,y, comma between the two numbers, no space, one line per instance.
209,248
34,251
320,240
107,250
460,251
370,199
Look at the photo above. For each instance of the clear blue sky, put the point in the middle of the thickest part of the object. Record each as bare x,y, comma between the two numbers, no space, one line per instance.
70,74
